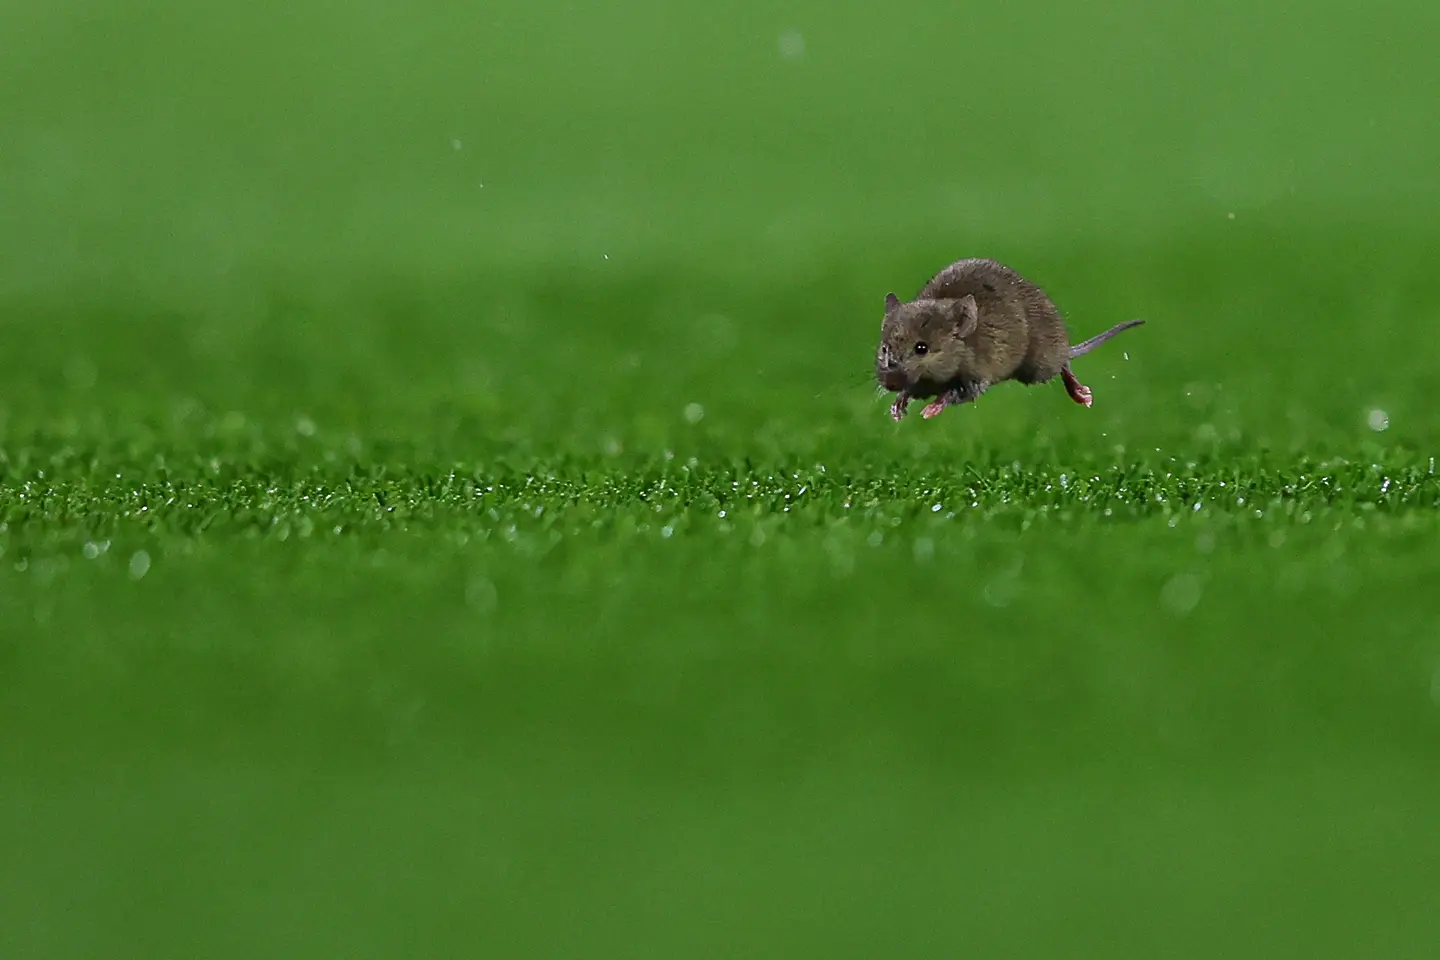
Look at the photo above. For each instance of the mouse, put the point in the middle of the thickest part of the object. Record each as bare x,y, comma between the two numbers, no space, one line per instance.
975,324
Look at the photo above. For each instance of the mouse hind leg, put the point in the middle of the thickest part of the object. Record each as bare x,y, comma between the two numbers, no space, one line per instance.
1078,391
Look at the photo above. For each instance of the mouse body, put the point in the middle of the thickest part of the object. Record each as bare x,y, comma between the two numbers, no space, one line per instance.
975,324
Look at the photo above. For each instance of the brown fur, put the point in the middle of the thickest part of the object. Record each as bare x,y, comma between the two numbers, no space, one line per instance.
978,323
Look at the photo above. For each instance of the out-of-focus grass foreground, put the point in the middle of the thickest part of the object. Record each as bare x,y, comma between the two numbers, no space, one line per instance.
446,509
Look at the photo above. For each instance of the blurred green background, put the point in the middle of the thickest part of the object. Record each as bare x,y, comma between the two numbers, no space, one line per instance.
445,509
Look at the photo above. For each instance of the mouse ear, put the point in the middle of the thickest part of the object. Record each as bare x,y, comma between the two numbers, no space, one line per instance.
966,315
891,302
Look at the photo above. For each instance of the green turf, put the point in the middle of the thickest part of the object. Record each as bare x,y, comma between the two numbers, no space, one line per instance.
445,510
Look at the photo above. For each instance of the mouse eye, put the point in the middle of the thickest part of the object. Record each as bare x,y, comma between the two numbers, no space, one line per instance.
922,348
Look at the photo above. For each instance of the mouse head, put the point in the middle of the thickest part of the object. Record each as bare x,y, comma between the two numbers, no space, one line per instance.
922,343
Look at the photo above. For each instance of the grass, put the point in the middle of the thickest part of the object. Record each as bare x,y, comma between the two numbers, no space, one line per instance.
444,505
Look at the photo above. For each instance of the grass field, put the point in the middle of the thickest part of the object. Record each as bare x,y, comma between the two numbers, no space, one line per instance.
445,509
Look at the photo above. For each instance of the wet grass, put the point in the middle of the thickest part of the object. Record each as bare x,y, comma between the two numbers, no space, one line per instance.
59,507
346,685
452,512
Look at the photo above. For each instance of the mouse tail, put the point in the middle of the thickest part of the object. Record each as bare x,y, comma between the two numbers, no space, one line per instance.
1080,349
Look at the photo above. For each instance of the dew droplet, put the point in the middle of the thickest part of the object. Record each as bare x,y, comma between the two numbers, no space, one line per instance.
481,595
139,564
792,45
1001,591
1181,593
1378,420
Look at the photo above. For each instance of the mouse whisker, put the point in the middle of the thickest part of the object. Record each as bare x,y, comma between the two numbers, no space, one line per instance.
848,383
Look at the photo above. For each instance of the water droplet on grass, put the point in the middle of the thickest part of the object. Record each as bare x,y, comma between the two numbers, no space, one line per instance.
1378,420
792,45
480,595
694,413
139,564
1001,591
1181,593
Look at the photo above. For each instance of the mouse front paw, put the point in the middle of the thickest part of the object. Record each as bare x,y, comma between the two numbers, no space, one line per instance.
963,393
899,407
